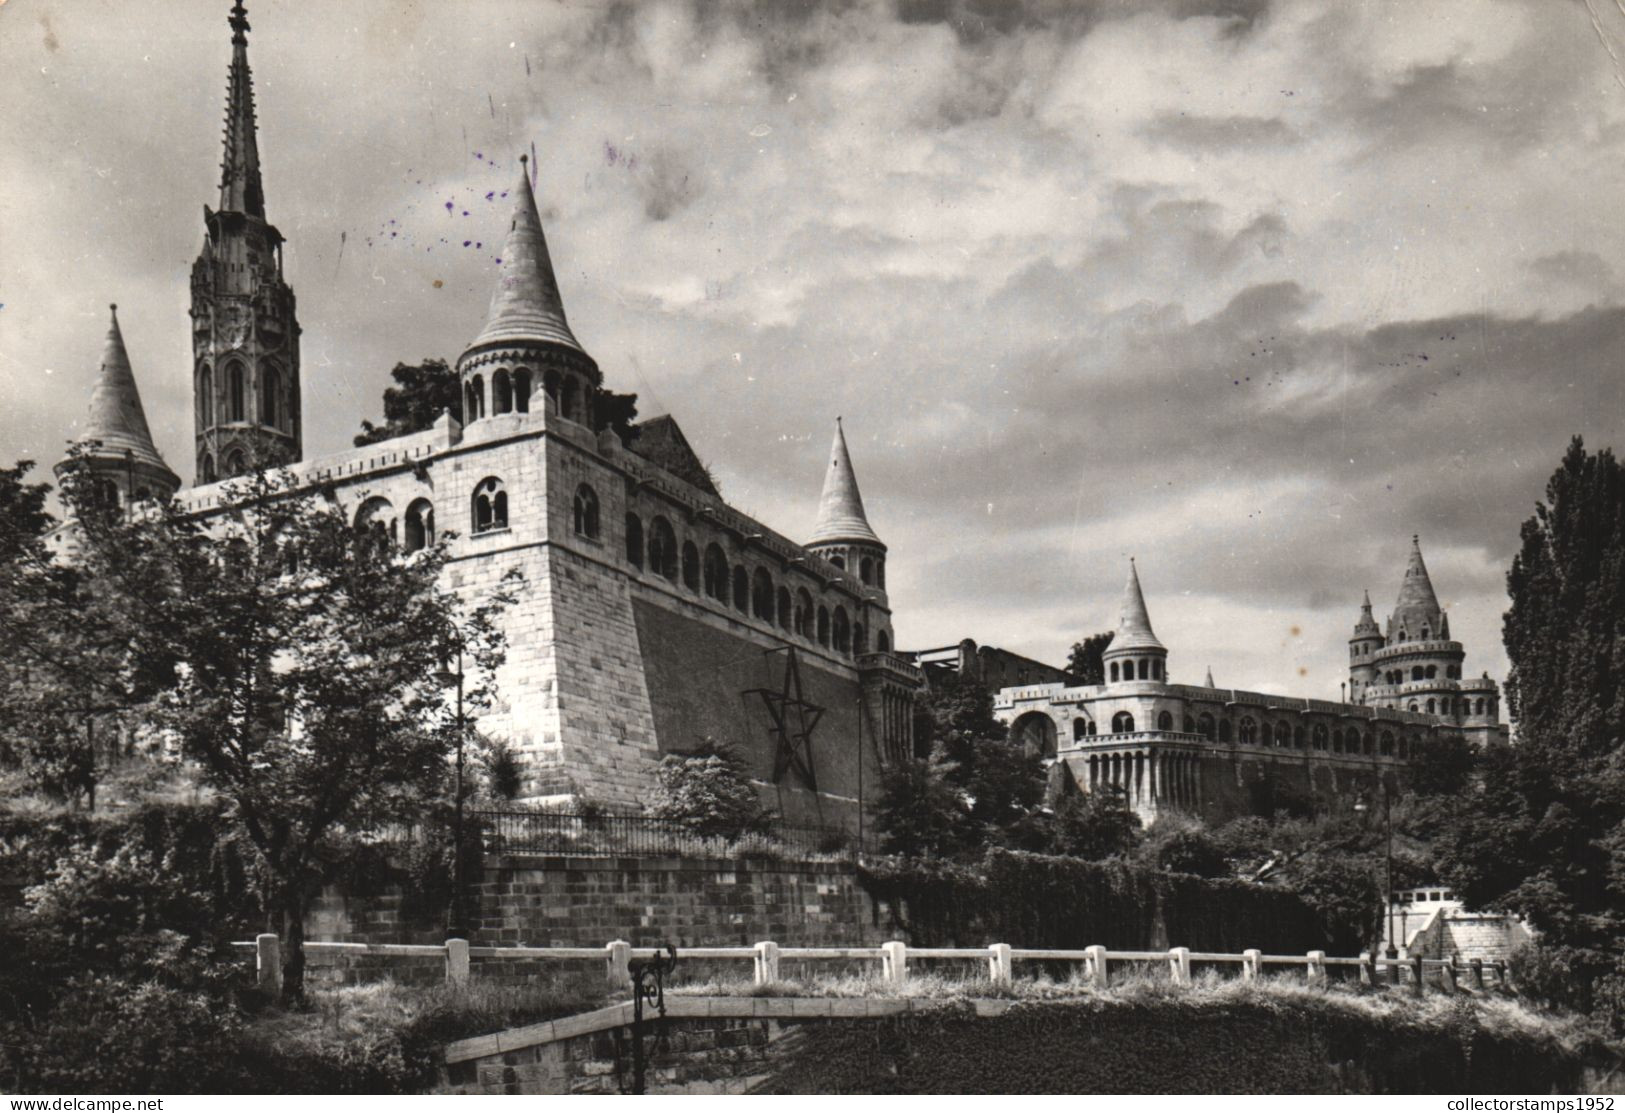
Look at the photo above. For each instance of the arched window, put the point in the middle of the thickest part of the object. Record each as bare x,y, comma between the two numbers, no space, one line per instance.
479,395
419,525
634,540
1034,732
786,615
761,595
236,392
270,398
1249,730
741,589
663,549
1156,668
1418,673
691,566
804,615
1204,726
1402,633
550,385
1145,669
1424,633
205,468
569,398
521,391
1481,706
490,506
1114,672
1430,707
1433,672
501,393
714,580
1080,729
1165,721
1224,730
1320,737
841,631
883,645
1413,708
1266,734
880,573
1122,723
1283,736
1387,744
378,515
471,407
205,396
823,627
866,570
584,512
838,561
236,463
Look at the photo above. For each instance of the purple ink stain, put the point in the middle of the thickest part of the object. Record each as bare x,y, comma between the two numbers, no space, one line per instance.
465,212
449,206
467,242
479,245
490,195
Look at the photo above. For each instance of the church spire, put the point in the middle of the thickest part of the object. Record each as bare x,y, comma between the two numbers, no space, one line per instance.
840,507
526,306
240,188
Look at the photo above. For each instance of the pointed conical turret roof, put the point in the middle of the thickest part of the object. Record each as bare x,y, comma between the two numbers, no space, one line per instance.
117,423
1134,624
241,190
1418,607
1366,626
526,307
840,507
1209,681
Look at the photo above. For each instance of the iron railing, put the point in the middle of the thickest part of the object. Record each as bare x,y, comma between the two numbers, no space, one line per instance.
516,832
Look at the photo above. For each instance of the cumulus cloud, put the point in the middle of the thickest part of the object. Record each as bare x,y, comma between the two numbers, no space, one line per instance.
1249,290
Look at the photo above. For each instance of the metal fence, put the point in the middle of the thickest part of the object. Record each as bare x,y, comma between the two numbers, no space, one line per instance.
515,832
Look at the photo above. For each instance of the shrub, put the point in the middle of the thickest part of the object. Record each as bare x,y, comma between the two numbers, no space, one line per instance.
710,792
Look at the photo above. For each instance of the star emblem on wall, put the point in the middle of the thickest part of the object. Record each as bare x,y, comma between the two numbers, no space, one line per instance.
794,719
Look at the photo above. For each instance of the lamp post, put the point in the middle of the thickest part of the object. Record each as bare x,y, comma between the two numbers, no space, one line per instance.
1390,951
458,928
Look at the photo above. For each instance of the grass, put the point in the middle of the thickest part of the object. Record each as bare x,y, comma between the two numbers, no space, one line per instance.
1208,989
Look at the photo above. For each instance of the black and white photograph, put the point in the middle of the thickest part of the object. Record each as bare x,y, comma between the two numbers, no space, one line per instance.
775,547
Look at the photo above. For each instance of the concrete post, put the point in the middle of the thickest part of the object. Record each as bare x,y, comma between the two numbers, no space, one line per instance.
1317,968
1252,964
1449,976
767,962
620,963
457,962
1095,966
1179,965
268,963
895,964
999,969
1475,974
1368,969
1417,988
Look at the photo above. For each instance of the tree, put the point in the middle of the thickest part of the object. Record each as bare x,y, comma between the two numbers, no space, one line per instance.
710,792
301,653
422,392
1086,662
65,678
1095,825
1544,836
917,811
1002,784
615,411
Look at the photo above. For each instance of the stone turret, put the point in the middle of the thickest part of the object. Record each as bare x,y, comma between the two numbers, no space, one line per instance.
116,445
1363,646
1418,667
842,534
1135,652
526,353
245,334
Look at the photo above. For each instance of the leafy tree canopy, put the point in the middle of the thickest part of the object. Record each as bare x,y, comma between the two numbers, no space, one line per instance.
422,392
1087,661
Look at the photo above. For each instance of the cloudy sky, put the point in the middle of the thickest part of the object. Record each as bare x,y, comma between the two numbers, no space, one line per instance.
1250,290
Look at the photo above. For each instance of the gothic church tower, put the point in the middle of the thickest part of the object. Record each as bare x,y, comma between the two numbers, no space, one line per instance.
245,338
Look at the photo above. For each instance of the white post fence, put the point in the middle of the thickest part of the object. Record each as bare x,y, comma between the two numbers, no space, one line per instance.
894,960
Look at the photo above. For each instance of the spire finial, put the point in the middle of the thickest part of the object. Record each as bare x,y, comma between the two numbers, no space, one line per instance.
239,23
